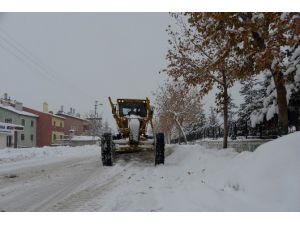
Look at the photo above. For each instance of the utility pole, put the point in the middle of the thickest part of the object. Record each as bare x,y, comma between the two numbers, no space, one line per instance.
95,119
96,105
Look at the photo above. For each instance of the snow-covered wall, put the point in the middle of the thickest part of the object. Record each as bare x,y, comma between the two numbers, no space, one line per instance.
238,145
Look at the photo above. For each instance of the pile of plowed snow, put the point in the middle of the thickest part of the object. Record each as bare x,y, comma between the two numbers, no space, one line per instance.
194,178
269,175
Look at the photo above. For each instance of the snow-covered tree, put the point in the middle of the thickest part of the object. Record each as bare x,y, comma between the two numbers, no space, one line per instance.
212,119
254,93
264,98
180,107
253,98
266,39
292,69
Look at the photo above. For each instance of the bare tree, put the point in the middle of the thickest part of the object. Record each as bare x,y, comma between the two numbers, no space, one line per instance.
96,123
178,106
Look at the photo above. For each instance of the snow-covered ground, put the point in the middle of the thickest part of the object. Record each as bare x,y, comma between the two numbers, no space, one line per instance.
192,179
85,138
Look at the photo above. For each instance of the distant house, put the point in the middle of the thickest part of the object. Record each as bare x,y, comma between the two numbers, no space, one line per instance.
15,115
50,127
74,124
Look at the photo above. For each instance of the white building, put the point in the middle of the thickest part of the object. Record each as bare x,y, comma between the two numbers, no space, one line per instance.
8,133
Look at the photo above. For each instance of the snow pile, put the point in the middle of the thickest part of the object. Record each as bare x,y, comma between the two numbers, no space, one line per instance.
11,155
197,179
270,175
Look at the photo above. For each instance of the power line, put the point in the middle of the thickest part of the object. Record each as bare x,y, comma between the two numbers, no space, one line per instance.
19,57
38,62
52,75
26,57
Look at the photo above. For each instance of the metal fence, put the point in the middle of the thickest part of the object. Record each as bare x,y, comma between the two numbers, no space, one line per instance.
265,130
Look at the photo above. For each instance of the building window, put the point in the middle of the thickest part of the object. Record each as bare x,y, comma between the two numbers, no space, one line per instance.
23,122
32,123
31,137
54,124
54,137
8,120
61,137
22,137
61,125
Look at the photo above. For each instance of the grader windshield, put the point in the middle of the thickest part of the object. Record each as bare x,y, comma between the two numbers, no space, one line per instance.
138,109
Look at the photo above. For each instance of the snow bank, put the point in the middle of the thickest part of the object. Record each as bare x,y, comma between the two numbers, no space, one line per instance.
270,175
194,178
32,155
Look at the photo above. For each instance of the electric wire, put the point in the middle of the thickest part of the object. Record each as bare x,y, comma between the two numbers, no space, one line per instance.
28,58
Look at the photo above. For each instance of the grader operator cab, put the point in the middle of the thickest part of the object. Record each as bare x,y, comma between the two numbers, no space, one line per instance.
133,116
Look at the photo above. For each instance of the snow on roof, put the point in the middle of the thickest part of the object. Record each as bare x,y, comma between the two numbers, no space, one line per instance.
12,109
52,114
75,117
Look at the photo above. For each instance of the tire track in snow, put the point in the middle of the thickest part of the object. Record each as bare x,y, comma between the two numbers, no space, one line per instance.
34,190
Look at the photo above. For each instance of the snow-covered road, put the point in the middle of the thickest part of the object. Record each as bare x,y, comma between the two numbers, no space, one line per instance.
40,186
192,179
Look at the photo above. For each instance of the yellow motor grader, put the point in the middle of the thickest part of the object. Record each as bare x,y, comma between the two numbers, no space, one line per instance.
133,116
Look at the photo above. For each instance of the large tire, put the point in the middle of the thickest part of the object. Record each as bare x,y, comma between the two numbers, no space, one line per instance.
160,149
107,149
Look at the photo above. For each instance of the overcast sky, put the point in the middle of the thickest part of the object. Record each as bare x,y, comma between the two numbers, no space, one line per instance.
73,59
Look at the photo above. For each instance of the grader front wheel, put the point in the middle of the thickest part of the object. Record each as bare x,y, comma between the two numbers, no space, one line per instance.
160,149
107,149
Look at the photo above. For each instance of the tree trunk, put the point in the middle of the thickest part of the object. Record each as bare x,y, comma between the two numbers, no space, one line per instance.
225,138
282,103
168,137
181,130
225,112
